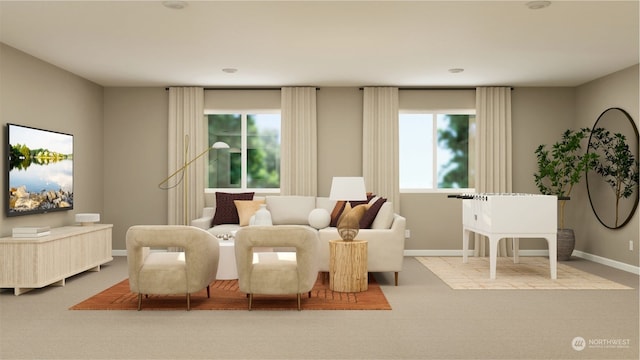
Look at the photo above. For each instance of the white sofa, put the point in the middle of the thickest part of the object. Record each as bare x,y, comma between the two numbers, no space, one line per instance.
385,237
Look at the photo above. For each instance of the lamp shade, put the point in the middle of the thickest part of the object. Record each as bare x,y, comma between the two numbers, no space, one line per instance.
220,145
348,188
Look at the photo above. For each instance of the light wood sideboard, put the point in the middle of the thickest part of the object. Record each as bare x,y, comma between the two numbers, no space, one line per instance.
31,263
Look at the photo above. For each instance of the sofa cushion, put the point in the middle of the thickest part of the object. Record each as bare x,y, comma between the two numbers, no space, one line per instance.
226,211
290,209
325,203
246,209
371,213
384,219
319,218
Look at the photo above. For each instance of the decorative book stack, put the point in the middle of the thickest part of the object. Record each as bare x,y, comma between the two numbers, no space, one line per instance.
31,231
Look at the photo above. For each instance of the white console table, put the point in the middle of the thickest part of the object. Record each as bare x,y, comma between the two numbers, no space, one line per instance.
30,263
499,216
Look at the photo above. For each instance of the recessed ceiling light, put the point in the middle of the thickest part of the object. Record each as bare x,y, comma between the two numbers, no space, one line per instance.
175,5
537,5
229,70
456,70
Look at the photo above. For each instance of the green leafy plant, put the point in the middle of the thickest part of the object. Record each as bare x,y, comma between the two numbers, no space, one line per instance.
562,166
617,164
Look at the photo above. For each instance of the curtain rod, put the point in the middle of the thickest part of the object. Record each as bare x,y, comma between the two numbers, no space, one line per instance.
441,88
236,88
245,88
436,88
361,88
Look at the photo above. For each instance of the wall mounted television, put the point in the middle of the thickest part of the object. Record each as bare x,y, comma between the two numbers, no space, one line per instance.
39,171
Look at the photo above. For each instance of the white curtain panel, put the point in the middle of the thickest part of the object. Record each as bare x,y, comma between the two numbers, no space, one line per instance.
299,146
187,139
380,143
493,149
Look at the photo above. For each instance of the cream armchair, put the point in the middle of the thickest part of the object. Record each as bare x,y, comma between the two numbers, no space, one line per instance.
166,273
274,273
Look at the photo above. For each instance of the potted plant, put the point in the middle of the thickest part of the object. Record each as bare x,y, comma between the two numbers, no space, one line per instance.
559,169
618,165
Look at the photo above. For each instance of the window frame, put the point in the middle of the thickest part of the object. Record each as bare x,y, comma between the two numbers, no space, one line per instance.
243,151
434,113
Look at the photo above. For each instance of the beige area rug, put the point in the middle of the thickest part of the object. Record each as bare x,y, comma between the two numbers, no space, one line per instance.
530,273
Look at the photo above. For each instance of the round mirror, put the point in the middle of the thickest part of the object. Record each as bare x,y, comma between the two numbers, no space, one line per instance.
612,184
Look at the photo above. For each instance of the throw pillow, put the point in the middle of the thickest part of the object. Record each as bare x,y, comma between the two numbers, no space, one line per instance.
246,209
384,219
291,209
337,212
226,211
355,203
371,213
319,218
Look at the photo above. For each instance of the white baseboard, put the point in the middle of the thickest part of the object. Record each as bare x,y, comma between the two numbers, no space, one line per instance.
604,261
118,252
595,258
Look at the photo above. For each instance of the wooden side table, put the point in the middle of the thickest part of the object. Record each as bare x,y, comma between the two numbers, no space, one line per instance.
348,266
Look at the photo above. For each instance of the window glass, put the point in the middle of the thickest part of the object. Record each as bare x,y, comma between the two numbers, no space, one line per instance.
435,150
263,151
416,145
253,158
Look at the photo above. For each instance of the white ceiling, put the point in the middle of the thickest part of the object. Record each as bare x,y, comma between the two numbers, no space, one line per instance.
327,43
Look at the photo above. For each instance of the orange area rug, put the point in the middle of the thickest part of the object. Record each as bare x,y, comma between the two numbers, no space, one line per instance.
226,296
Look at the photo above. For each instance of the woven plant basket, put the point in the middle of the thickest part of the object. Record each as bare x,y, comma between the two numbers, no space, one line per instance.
566,244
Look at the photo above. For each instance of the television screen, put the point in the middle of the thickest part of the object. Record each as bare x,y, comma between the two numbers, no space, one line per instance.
40,170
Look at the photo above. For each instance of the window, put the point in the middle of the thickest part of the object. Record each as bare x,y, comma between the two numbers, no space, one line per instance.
253,158
435,150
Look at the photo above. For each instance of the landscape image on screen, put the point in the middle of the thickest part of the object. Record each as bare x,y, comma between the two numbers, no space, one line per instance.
40,171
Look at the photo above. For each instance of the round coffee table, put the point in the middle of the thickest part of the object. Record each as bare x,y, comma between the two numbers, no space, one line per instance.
227,269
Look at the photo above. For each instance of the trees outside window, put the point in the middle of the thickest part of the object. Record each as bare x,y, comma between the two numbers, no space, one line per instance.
253,158
435,150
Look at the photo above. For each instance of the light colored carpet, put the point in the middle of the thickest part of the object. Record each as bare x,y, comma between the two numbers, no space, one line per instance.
529,273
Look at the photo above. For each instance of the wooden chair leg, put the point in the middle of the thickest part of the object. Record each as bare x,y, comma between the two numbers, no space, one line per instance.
396,278
139,301
188,302
208,291
299,307
250,300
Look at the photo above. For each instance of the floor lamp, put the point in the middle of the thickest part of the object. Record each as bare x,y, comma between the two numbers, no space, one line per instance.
183,172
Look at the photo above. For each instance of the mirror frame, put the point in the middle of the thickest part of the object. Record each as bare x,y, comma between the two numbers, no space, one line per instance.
634,132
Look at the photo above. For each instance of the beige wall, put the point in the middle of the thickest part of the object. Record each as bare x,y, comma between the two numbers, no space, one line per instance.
37,94
616,90
135,133
339,135
121,136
